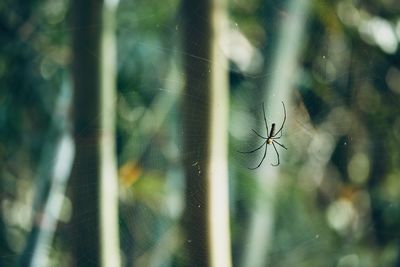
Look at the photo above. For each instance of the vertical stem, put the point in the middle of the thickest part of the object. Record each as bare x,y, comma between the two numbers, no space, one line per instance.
94,176
218,143
195,125
85,172
205,120
108,179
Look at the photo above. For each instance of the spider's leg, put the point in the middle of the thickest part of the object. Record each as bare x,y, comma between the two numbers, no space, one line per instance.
259,135
280,135
254,150
265,153
284,120
265,119
277,154
279,144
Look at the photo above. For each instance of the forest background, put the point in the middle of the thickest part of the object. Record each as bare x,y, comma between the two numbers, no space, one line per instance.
121,124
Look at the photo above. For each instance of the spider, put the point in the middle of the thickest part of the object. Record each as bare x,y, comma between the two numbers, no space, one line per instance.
270,139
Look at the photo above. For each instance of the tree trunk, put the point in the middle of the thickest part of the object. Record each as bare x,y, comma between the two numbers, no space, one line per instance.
94,177
205,119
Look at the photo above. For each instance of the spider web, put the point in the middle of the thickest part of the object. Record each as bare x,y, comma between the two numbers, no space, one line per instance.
150,150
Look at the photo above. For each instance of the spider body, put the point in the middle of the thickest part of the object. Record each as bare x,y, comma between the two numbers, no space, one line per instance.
270,139
271,133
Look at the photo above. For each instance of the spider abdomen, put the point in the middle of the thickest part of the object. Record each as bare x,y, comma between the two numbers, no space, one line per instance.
272,132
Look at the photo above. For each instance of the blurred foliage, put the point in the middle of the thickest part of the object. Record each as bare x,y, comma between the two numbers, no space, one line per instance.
339,198
32,59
